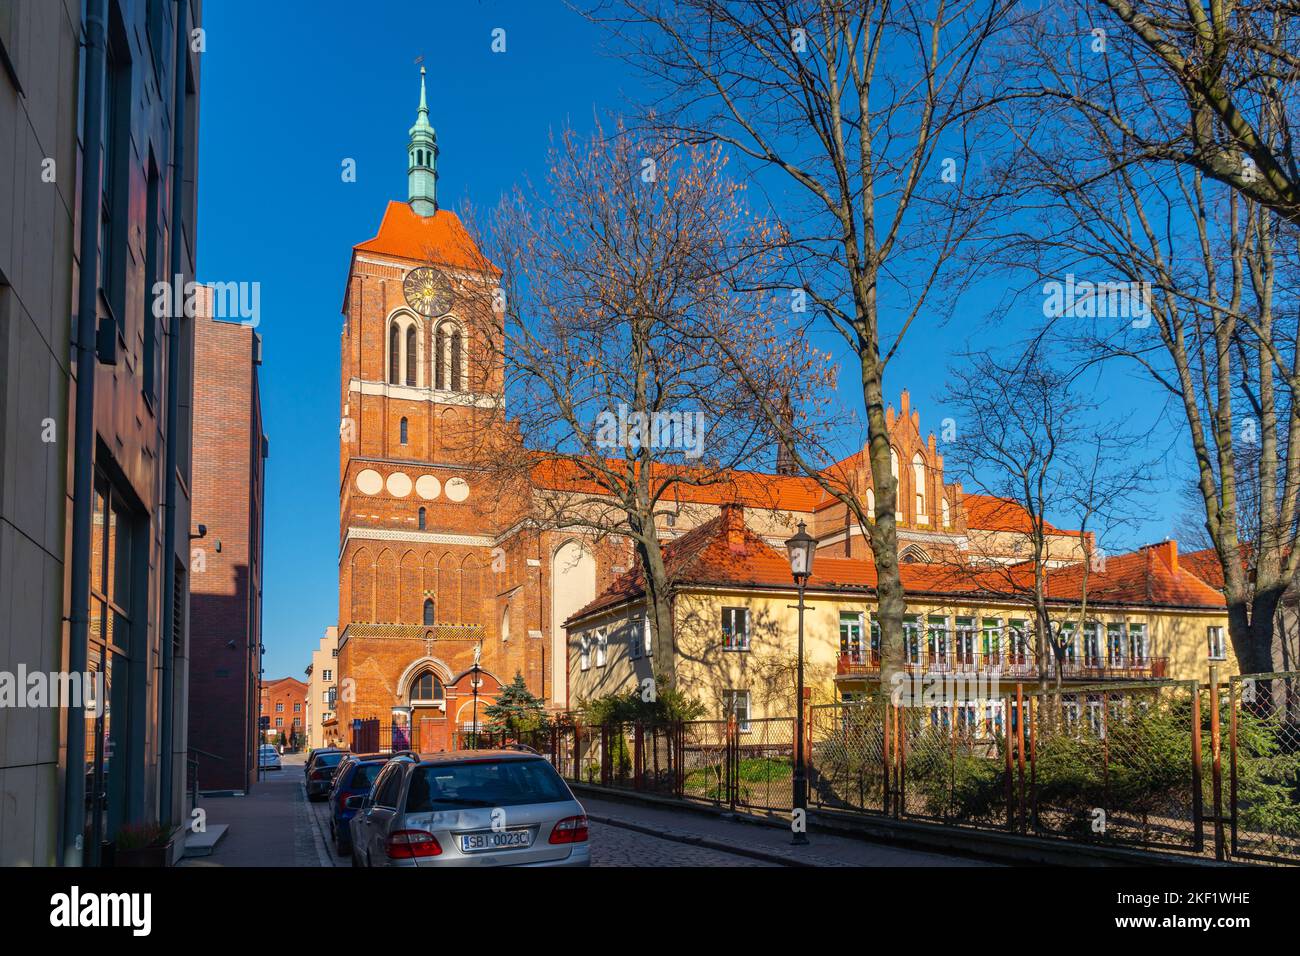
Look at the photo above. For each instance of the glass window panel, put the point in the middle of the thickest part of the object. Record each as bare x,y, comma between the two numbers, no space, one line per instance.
121,630
97,545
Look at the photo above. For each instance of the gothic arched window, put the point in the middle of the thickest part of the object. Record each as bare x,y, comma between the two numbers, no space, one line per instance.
426,687
410,355
428,612
440,358
402,431
394,356
455,360
422,519
918,479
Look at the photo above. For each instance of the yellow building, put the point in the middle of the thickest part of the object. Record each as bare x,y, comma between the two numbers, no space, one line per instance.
322,691
967,627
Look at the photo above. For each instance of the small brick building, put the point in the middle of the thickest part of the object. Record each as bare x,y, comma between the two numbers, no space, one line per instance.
284,704
226,564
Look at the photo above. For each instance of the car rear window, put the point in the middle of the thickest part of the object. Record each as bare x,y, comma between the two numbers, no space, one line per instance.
365,775
329,760
489,783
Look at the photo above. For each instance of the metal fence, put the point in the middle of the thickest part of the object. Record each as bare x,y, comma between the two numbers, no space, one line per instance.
1136,764
1264,766
1171,765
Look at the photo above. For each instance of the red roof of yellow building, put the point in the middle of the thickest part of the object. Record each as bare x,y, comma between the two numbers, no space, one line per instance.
723,552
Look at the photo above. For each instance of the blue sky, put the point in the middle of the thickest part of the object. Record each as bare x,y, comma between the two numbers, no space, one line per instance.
289,92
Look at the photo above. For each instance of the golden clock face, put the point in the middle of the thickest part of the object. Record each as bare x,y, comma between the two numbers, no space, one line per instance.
427,291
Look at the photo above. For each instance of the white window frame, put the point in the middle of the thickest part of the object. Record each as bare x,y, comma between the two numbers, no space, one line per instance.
1116,640
1142,645
1216,640
860,647
584,651
729,611
994,636
942,647
1094,651
912,638
602,647
968,632
731,698
1069,634
635,645
1018,642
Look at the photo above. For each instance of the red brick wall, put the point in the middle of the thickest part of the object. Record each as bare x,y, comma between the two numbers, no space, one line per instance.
225,607
285,699
387,565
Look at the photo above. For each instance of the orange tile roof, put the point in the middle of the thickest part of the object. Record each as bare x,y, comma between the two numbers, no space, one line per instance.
707,555
991,513
747,488
1205,565
440,238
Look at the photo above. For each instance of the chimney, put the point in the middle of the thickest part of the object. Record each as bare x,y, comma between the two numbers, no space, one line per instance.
1167,551
733,526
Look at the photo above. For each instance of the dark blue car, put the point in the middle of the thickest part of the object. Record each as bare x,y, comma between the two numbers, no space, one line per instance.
354,777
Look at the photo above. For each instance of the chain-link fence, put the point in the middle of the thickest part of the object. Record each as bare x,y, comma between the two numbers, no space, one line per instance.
1264,768
707,761
1168,764
846,754
1114,763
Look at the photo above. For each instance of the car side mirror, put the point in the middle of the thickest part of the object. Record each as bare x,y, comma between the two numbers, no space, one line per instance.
355,802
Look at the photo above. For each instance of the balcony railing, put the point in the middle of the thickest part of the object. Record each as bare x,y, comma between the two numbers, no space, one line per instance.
867,664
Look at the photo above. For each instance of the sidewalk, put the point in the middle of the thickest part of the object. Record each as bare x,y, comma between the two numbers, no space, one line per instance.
758,841
271,826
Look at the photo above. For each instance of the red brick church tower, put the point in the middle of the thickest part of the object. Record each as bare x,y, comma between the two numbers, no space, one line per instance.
422,579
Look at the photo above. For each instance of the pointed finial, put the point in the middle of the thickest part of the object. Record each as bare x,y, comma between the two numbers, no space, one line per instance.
424,106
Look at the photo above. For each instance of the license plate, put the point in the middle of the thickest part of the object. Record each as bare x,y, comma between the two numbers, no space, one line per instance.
496,840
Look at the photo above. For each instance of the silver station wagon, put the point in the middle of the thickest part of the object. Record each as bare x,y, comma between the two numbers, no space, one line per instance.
469,808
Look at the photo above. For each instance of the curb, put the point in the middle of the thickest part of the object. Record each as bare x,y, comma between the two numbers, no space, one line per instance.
981,845
694,839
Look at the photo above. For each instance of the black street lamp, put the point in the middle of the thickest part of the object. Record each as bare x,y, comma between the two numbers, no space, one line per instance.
474,684
801,548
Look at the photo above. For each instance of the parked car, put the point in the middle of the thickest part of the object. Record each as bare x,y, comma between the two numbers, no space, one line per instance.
268,758
320,772
469,808
311,755
355,775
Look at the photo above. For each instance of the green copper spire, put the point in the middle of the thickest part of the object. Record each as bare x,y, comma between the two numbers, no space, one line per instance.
422,161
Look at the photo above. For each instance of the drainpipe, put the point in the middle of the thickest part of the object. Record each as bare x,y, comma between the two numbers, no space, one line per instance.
173,413
83,453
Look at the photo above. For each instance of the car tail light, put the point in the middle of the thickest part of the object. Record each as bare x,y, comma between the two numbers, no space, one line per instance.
320,774
570,830
410,844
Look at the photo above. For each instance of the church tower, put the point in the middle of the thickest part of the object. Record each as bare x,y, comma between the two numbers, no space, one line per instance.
418,594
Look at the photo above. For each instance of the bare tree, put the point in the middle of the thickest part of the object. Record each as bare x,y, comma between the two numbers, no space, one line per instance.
608,281
1226,77
1193,263
861,113
1029,436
